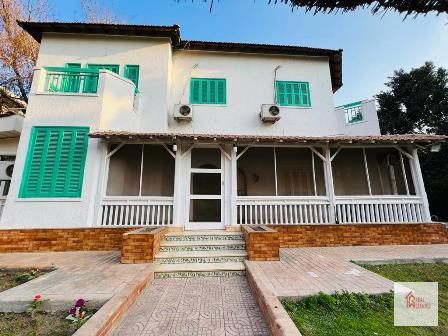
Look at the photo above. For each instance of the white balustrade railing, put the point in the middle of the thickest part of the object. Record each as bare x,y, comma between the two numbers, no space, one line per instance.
136,211
282,210
379,209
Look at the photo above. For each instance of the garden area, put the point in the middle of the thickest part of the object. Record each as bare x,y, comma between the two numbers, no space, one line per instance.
350,314
35,321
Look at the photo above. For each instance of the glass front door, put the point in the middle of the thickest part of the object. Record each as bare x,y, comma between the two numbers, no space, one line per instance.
206,189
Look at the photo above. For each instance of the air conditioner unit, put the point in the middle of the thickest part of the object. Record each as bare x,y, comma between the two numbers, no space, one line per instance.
183,112
6,168
270,113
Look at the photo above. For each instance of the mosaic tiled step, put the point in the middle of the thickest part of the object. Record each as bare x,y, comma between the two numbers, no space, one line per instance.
165,275
201,257
204,236
198,269
167,246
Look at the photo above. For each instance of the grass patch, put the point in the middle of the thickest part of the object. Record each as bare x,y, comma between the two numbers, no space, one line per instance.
14,277
42,324
349,314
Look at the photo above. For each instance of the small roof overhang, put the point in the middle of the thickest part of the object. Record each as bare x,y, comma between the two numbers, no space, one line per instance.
421,139
36,29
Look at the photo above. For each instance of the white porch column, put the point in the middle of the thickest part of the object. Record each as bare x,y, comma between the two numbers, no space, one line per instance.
178,194
234,188
329,185
420,185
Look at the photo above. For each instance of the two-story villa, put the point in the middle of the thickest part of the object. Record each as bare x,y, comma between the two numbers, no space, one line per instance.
130,125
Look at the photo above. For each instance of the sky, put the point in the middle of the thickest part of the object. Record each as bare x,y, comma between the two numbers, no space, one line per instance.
374,45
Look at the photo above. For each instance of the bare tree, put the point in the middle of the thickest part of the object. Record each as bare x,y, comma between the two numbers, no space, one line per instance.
18,50
94,11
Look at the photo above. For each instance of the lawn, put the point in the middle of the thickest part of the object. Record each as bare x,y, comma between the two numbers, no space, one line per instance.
348,314
42,324
13,277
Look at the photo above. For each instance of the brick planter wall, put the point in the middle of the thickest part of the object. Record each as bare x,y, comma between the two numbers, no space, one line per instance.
140,246
361,234
261,245
60,240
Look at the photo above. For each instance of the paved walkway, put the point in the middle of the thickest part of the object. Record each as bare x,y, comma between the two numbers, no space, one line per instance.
306,271
194,307
94,276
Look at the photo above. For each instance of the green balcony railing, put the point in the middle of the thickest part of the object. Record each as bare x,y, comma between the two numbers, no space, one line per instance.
71,80
353,112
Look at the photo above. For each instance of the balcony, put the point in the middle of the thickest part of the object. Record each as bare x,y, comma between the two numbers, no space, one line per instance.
99,98
358,118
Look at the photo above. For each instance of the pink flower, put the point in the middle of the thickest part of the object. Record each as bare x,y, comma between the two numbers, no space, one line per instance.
80,303
72,311
37,297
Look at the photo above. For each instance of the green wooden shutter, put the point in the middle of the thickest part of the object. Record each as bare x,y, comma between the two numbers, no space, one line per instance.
293,93
55,162
132,72
91,82
208,91
70,82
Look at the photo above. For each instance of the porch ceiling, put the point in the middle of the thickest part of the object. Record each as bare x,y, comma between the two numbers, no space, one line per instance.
422,139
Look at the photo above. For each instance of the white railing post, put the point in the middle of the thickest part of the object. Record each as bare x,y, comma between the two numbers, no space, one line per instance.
329,185
178,195
420,185
234,187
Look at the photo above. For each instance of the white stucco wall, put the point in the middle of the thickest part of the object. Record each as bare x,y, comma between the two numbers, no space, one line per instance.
368,126
250,83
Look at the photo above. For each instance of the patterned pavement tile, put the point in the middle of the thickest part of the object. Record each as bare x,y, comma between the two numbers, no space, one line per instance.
194,307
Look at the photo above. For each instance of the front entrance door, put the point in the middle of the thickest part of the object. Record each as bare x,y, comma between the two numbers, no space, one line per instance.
206,189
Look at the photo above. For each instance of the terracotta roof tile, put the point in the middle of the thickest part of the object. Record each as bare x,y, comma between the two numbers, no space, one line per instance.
245,138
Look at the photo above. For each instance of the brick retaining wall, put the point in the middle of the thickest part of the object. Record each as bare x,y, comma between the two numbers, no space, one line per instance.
261,245
361,234
60,240
141,246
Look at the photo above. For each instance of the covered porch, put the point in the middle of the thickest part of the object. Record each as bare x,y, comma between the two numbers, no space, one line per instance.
221,181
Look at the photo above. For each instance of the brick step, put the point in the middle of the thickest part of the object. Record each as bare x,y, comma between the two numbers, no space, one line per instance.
200,270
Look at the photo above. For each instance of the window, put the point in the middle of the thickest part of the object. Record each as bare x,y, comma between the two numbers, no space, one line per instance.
55,162
293,93
353,113
349,173
129,177
71,81
207,91
132,72
91,83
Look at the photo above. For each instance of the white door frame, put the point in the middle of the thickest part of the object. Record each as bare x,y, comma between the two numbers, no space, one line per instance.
204,225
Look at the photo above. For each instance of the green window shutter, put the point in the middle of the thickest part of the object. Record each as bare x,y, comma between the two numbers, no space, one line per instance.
132,72
71,82
208,91
55,162
293,93
91,82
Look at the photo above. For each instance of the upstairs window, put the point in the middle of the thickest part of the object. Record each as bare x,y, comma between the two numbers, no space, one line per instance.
91,84
131,72
353,113
55,162
293,93
208,91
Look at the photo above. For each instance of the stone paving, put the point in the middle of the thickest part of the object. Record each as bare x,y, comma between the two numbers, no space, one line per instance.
306,271
194,307
94,276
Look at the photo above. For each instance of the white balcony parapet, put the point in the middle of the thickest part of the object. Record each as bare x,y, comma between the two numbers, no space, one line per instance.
136,211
